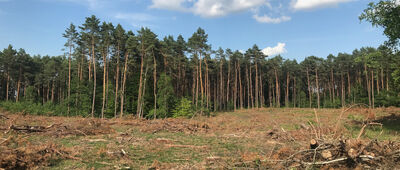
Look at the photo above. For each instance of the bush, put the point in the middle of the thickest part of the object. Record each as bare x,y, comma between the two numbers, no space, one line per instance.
183,109
48,109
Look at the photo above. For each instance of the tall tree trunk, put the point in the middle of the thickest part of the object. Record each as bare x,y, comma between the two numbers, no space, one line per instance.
43,91
270,94
52,91
227,84
387,80
60,94
235,90
261,89
309,88
316,80
251,88
104,84
155,84
94,78
377,82
382,85
116,82
144,91
48,91
278,93
201,85
197,86
193,86
139,106
90,69
273,94
8,84
221,94
348,84
343,95
207,84
256,85
248,88
330,90
240,89
287,90
215,95
333,85
294,91
372,93
19,83
368,85
107,83
69,79
124,85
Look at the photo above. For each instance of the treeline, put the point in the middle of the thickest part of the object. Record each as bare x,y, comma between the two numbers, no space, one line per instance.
110,72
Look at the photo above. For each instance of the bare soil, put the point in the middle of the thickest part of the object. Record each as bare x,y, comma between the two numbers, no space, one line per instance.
250,139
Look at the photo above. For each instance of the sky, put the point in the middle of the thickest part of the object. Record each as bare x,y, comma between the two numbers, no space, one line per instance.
294,29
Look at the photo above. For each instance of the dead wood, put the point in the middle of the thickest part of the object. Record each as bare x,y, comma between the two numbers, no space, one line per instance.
3,116
363,128
29,129
313,144
5,140
186,146
326,154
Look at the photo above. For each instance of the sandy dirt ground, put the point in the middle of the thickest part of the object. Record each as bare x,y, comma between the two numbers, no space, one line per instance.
246,139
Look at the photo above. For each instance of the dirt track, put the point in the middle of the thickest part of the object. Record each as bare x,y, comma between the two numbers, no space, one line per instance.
266,138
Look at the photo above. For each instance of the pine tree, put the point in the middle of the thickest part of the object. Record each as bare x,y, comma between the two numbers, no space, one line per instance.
72,37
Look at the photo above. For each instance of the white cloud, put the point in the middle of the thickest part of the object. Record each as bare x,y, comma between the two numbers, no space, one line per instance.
218,8
267,19
272,51
312,4
209,8
174,5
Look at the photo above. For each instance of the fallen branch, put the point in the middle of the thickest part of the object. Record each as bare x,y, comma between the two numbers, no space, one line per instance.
28,128
336,160
186,146
325,162
394,153
318,123
96,140
84,134
363,128
5,140
341,115
5,117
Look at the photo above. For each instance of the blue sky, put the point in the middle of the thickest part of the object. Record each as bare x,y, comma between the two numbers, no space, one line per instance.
293,28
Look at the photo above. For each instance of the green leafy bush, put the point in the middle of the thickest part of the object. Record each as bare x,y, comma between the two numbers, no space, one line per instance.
183,109
26,107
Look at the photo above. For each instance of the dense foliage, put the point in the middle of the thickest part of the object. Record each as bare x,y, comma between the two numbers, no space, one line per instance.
108,72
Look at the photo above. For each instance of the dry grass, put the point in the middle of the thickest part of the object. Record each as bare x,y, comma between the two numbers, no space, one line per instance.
246,138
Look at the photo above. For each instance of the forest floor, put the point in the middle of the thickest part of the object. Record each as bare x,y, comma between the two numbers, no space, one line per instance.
262,138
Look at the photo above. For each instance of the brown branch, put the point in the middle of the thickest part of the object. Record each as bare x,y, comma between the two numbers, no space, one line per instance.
3,116
186,146
363,128
325,162
4,141
28,128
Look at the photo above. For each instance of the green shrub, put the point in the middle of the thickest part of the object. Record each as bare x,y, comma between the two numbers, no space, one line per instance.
183,109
